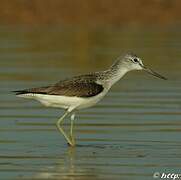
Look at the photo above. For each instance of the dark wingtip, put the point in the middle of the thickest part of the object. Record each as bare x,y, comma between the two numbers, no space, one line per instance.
19,92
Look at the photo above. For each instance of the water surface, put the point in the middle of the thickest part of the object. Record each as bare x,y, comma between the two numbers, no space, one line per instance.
132,133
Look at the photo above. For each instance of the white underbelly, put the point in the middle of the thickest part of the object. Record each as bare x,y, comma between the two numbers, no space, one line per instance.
64,101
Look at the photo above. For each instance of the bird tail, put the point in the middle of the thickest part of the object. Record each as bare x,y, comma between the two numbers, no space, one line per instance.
19,92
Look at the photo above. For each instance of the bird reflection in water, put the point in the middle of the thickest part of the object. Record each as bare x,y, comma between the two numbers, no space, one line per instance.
67,167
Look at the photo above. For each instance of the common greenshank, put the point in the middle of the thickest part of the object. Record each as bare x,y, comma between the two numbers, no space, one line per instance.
83,91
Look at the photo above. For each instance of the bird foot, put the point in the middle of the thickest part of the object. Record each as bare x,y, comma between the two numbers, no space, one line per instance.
72,140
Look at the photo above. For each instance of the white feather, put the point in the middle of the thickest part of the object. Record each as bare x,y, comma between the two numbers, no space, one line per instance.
65,102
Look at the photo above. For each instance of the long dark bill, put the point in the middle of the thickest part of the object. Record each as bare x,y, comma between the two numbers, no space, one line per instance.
150,71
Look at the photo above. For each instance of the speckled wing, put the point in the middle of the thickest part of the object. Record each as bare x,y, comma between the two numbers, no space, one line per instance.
80,86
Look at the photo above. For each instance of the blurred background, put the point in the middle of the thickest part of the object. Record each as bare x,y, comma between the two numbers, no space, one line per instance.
134,132
91,12
88,31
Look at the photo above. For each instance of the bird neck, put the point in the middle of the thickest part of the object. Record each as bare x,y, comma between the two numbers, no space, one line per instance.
115,73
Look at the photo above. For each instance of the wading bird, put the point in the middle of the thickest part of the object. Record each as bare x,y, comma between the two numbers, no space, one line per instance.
83,91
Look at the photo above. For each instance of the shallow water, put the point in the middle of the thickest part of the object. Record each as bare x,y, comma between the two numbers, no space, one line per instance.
131,134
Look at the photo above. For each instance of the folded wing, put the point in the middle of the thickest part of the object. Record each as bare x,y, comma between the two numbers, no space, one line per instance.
86,87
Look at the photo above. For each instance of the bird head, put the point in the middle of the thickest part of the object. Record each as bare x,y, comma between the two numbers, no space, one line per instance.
133,62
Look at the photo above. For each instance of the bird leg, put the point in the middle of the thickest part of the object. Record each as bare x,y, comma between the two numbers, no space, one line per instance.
59,123
71,128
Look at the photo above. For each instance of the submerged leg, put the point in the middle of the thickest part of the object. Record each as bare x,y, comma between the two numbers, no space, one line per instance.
71,128
59,122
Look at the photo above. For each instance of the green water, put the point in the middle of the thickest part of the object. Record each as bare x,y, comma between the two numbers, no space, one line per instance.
132,133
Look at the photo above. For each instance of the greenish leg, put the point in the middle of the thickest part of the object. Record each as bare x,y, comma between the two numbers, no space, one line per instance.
71,128
59,123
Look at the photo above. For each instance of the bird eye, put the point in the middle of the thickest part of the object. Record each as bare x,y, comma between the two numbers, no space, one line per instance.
135,60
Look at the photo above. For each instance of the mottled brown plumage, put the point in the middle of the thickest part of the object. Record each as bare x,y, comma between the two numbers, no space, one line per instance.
79,86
